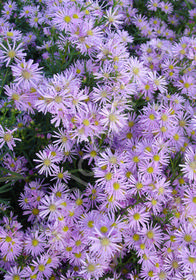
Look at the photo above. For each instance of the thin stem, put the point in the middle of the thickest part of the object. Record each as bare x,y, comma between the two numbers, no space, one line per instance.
4,81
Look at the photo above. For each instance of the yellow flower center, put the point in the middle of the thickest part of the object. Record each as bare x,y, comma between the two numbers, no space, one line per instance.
136,216
11,53
7,137
47,162
35,242
105,241
67,19
26,74
91,268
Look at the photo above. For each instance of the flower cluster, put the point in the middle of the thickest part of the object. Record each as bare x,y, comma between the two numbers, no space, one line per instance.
101,97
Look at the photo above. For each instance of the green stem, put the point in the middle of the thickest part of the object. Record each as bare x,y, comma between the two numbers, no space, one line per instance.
4,81
3,270
188,4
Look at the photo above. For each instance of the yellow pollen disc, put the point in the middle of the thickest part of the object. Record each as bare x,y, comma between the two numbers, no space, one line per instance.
108,176
176,137
136,216
60,175
53,153
136,159
142,246
68,249
194,199
86,122
35,211
52,207
75,16
89,32
64,139
150,169
58,99
35,242
93,153
105,241
26,75
151,117
113,160
15,96
47,162
79,201
112,118
104,167
8,239
116,186
10,34
103,229
91,268
7,137
156,157
186,85
136,70
67,19
193,165
192,259
90,224
150,273
157,83
187,237
150,234
139,186
16,277
11,53
162,275
182,123
164,117
175,264
154,202
65,228
136,237
147,87
41,267
163,129
78,255
78,242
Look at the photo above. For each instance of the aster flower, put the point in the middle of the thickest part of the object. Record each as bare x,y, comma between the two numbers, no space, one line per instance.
105,244
93,267
113,118
113,18
137,217
7,137
26,73
14,273
11,52
34,243
189,167
46,163
50,205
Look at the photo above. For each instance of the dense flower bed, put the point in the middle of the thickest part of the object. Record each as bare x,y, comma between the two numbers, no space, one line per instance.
98,139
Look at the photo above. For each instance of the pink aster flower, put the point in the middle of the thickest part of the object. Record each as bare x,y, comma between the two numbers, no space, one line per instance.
50,205
113,118
45,163
34,243
7,137
10,52
138,216
189,167
14,273
105,244
27,73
